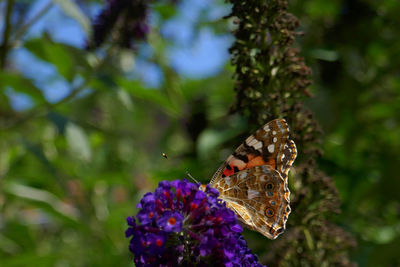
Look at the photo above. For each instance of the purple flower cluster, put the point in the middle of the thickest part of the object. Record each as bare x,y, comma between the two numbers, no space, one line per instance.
182,225
123,21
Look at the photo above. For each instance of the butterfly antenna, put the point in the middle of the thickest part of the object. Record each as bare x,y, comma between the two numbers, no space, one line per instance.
191,177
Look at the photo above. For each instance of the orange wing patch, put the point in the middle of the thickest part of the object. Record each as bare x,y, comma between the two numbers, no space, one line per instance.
259,161
235,165
264,147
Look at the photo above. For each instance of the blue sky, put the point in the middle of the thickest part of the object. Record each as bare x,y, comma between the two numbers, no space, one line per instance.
194,54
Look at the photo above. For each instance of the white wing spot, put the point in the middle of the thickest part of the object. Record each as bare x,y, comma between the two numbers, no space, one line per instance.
283,156
262,178
242,175
271,148
266,128
252,193
282,129
252,141
258,145
228,180
275,139
274,132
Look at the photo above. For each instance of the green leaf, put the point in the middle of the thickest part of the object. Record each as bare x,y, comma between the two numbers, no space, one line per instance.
309,239
165,11
22,85
151,95
78,142
73,10
37,151
67,59
38,259
211,139
8,245
42,196
125,99
324,54
58,120
319,9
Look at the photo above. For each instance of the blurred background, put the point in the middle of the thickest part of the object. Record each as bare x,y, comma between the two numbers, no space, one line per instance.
84,123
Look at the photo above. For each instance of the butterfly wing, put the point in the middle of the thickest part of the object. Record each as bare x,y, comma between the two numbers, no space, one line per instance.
253,180
260,198
265,147
286,158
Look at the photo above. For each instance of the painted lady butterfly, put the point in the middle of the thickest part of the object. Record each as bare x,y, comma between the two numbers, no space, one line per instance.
253,181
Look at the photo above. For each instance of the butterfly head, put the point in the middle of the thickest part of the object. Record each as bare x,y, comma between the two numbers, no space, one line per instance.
203,187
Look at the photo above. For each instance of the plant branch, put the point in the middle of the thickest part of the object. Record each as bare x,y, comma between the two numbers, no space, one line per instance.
6,34
271,81
42,110
22,30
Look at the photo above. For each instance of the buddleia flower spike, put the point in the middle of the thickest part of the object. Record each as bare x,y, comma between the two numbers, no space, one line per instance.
180,225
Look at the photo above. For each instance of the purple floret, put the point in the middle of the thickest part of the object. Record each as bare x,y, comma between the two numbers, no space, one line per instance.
170,221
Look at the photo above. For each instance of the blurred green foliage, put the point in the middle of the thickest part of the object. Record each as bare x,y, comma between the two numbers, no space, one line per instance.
72,170
354,52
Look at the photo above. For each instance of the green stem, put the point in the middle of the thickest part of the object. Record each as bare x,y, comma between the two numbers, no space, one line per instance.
22,30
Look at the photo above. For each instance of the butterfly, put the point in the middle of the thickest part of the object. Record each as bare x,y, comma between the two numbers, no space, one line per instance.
253,181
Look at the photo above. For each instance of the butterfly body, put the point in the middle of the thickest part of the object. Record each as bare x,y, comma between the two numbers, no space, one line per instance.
253,181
